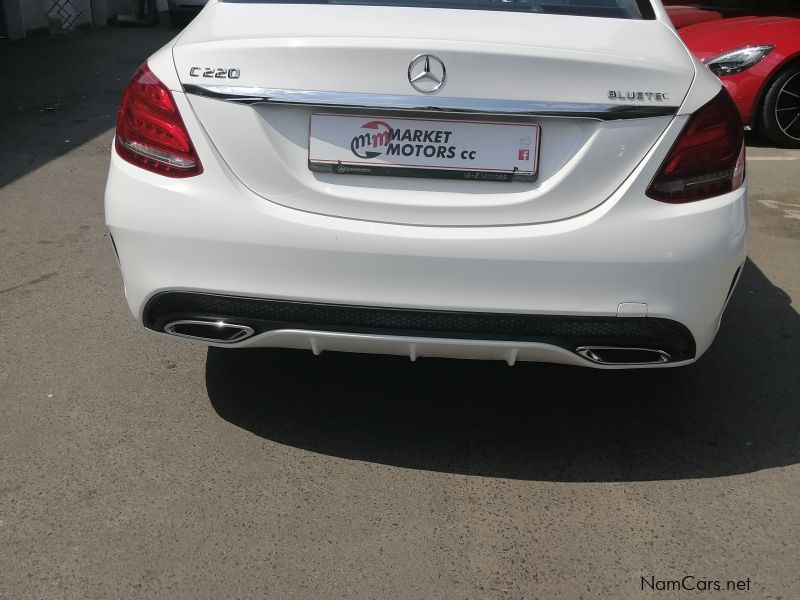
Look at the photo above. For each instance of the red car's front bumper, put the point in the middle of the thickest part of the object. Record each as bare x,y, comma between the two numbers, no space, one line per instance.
746,87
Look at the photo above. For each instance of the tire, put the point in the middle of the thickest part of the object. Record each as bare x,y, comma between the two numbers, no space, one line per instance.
780,111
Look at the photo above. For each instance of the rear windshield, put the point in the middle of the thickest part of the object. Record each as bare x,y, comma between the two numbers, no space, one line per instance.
618,9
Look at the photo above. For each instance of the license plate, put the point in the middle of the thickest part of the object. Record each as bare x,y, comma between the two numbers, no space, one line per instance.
471,150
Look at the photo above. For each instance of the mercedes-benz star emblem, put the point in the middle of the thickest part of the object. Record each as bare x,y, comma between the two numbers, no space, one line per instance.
427,74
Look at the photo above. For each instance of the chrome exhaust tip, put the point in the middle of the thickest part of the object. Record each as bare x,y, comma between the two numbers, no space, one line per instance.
209,331
615,355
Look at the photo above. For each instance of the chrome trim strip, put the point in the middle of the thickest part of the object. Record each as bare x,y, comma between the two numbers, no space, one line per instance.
315,98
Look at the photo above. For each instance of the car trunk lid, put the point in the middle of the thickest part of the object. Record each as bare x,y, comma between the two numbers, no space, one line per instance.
259,74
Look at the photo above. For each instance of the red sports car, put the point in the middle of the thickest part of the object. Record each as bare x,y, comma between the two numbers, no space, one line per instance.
758,60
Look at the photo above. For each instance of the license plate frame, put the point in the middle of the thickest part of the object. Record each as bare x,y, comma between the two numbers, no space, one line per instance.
329,134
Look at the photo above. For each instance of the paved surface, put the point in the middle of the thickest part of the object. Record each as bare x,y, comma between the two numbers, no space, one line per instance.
135,468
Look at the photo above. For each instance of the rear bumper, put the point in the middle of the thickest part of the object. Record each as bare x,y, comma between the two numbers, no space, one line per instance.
312,325
212,235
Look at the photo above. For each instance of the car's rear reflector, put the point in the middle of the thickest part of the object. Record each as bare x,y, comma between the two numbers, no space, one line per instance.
150,131
707,159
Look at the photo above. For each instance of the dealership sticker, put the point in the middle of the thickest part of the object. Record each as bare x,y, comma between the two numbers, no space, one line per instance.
476,150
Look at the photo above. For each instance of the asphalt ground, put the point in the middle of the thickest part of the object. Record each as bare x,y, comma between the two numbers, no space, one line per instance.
133,467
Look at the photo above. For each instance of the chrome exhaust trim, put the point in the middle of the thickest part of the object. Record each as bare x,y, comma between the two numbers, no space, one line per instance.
616,355
209,331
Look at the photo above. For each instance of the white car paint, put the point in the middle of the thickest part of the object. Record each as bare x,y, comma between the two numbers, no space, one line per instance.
580,241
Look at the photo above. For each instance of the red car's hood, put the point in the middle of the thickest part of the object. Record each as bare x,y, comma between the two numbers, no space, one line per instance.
685,16
709,39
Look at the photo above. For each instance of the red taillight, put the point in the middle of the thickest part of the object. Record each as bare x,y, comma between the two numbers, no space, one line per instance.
708,157
150,131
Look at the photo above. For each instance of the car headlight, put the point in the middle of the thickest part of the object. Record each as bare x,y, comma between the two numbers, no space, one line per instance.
738,60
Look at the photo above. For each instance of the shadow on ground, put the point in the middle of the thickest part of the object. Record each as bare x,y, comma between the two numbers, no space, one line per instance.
754,139
736,411
59,92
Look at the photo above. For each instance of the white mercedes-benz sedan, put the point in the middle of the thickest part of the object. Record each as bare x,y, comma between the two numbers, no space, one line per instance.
520,180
